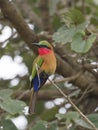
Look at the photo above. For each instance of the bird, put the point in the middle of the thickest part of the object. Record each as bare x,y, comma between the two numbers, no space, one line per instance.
44,65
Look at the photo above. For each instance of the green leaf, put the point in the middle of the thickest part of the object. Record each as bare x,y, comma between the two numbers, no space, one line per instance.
90,41
60,116
12,106
40,125
5,93
52,126
64,34
81,45
81,27
78,44
73,16
94,119
82,123
69,117
8,125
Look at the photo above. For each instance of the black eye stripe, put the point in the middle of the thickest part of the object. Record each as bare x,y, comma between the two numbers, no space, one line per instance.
41,46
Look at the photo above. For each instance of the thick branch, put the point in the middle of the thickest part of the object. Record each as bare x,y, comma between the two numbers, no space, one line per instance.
42,95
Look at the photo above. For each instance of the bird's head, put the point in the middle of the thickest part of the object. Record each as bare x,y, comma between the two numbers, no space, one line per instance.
44,47
43,44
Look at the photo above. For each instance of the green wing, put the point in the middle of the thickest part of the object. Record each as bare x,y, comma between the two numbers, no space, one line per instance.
37,62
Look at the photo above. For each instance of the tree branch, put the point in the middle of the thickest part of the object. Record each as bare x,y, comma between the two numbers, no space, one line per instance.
42,94
12,14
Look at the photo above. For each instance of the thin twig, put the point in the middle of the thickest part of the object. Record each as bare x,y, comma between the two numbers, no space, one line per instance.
69,79
74,106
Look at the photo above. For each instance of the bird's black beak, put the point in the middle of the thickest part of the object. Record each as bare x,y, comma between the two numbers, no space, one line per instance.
36,44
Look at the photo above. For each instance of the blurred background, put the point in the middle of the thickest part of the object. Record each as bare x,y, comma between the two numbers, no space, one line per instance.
73,26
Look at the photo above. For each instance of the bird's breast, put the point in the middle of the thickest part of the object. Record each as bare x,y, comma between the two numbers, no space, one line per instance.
49,64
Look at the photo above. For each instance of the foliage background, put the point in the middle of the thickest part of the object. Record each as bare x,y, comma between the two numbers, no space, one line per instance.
71,26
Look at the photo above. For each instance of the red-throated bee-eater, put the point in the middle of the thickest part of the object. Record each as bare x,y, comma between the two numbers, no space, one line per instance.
43,66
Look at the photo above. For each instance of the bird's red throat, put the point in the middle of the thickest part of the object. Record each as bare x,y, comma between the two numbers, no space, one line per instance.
44,51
